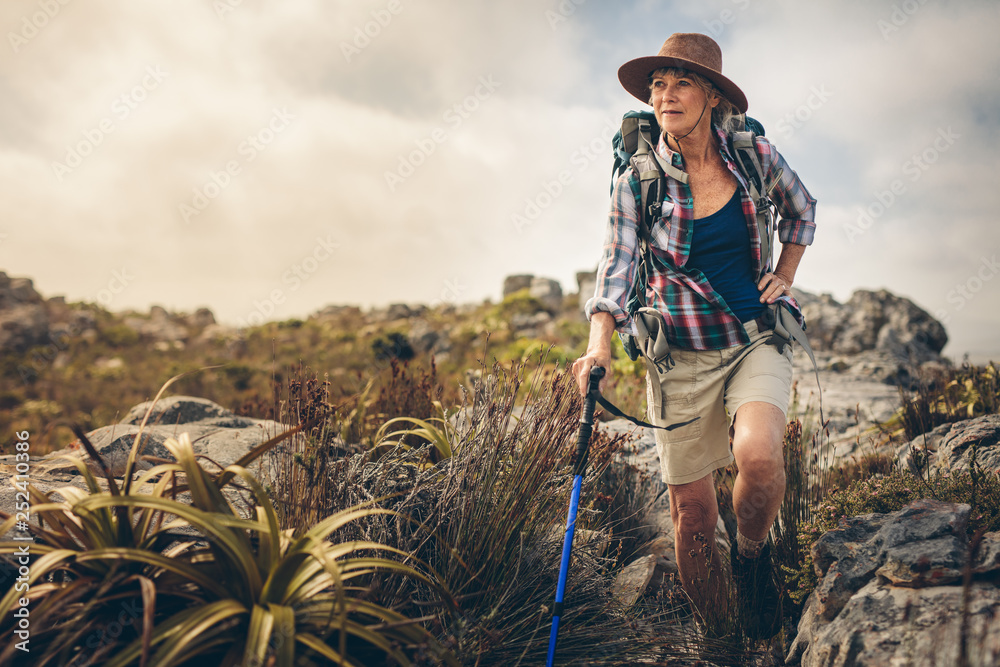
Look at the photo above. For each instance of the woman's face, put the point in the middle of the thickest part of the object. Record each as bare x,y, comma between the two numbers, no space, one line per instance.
678,103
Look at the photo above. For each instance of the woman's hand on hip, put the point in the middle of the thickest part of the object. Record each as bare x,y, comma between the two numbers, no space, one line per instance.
773,285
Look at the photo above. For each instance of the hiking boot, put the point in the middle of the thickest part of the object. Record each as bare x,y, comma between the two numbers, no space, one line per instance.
756,593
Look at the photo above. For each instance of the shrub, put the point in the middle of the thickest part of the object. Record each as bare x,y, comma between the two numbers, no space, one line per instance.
213,587
490,519
971,392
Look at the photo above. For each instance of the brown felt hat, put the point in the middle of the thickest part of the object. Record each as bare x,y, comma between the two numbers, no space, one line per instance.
694,52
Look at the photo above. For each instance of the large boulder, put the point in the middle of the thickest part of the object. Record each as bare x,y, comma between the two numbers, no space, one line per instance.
24,318
159,326
889,591
872,320
217,433
176,410
875,335
548,292
516,283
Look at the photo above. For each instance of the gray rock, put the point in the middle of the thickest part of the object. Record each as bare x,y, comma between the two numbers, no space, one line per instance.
586,285
898,337
159,326
549,294
216,433
22,291
115,442
863,564
24,317
201,318
177,410
23,326
948,447
535,325
516,283
987,555
928,563
631,583
888,625
399,311
421,336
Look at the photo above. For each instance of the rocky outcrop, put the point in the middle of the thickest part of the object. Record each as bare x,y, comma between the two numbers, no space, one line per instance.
874,334
948,448
548,292
890,592
24,319
516,283
28,320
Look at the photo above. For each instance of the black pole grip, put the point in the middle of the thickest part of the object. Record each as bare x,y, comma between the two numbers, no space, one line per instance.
587,420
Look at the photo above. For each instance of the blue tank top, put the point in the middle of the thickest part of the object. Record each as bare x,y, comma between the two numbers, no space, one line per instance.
720,248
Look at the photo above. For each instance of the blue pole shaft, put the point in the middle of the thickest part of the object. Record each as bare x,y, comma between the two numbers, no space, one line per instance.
574,502
579,466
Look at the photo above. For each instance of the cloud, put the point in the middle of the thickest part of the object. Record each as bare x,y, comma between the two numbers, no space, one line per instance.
425,176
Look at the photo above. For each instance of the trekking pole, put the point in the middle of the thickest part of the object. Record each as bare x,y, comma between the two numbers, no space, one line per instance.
579,466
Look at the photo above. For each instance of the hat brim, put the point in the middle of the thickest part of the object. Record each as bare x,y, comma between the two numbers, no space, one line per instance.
634,77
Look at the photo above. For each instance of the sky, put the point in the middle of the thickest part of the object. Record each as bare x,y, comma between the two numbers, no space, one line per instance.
266,159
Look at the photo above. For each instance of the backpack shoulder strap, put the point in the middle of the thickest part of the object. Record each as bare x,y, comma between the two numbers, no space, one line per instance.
744,145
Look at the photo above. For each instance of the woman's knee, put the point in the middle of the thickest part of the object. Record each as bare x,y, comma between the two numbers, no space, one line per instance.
758,432
694,510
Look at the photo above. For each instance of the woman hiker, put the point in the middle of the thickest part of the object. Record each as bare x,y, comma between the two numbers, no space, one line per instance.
706,257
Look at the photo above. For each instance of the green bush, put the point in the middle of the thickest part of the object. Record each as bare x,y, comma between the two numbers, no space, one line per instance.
518,303
119,335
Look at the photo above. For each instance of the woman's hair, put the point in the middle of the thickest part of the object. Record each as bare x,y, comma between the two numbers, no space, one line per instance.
724,114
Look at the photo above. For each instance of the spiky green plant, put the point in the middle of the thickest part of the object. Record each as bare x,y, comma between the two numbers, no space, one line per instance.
238,590
438,431
212,585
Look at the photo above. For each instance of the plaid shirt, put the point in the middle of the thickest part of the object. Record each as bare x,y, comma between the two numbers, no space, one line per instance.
697,317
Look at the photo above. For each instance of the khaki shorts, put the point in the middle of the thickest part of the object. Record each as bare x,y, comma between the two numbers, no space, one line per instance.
712,385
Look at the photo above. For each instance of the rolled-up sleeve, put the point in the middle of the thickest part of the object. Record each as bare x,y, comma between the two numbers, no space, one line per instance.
616,270
796,207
